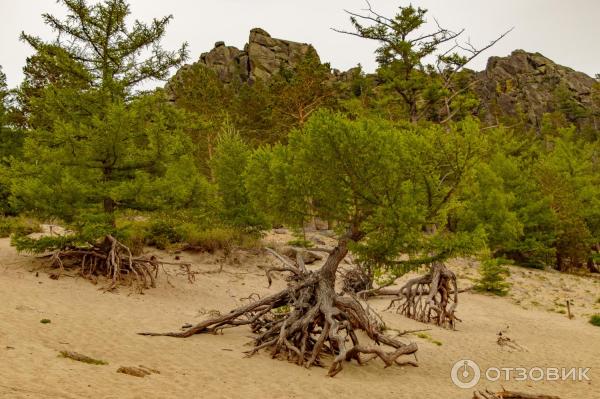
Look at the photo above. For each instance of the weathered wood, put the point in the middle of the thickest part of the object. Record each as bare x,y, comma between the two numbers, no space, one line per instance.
308,321
113,260
431,298
509,395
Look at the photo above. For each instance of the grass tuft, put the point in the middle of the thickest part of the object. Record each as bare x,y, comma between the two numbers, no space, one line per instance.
18,225
82,358
429,338
299,242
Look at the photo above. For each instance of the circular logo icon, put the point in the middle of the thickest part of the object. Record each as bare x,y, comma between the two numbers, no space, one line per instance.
465,374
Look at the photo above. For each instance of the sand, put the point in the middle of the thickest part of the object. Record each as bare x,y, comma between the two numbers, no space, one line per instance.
103,326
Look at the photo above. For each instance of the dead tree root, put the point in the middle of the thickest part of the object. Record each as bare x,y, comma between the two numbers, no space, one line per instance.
431,298
113,260
308,321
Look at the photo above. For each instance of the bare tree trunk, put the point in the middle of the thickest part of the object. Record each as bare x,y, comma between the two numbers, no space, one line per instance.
109,205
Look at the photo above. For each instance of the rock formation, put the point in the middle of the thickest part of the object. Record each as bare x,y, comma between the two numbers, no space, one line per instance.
262,57
527,83
520,86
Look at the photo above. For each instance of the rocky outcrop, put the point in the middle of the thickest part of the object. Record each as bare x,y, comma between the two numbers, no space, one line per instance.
521,85
228,62
261,58
527,84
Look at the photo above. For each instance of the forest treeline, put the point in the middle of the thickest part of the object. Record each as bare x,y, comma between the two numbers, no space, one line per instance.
400,156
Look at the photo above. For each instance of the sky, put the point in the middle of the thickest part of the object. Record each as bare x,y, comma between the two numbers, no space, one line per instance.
567,32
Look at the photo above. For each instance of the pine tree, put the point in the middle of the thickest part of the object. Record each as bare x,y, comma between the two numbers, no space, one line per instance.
417,68
96,145
11,143
89,131
207,101
94,45
229,165
493,276
300,91
569,176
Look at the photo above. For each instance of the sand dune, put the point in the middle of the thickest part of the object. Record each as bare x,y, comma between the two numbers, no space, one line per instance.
104,326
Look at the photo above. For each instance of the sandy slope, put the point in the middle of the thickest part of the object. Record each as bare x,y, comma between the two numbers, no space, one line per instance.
103,325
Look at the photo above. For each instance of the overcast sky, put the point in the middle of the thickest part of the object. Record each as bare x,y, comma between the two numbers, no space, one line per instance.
566,31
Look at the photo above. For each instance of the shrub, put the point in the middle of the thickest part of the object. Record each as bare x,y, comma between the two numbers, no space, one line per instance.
18,225
167,231
493,275
595,320
217,238
163,233
133,232
300,242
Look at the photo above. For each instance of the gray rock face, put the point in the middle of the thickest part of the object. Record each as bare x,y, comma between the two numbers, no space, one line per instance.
261,58
520,84
527,82
225,61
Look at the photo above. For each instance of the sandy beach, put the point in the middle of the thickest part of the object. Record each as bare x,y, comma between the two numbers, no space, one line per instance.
103,325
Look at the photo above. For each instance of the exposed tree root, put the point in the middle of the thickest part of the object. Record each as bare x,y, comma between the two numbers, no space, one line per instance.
431,298
356,280
308,321
113,260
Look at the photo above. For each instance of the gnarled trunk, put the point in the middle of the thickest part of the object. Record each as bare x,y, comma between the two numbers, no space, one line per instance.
308,321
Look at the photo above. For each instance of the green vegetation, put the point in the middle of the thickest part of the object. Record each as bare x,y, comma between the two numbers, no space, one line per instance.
493,275
300,242
45,321
400,156
383,194
405,165
82,358
595,320
429,338
219,238
168,231
19,225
